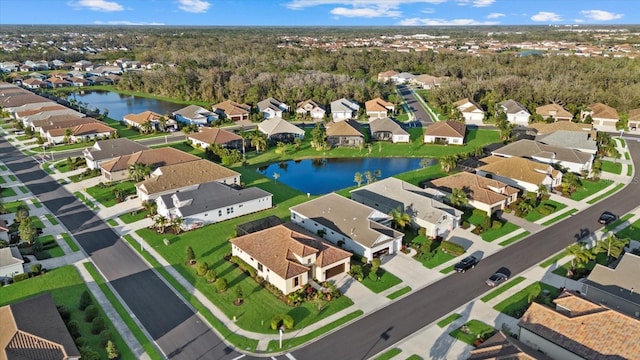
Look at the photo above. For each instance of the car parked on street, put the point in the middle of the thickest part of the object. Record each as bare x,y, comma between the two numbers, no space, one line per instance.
465,264
496,279
607,217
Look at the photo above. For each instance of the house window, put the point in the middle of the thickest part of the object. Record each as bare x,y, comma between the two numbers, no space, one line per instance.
219,212
296,281
240,205
206,214
260,267
293,216
229,210
251,258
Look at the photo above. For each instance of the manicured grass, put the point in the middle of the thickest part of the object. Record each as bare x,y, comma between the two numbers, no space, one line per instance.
447,270
518,303
37,222
396,294
436,260
615,224
80,177
629,170
2,180
502,288
563,269
589,188
627,156
560,217
131,218
477,329
7,192
386,280
36,203
612,167
632,231
112,222
3,168
622,142
184,146
606,194
534,215
493,234
66,286
22,138
47,168
86,201
50,247
514,239
389,354
72,244
554,259
414,357
448,320
13,177
147,345
12,206
51,219
64,166
298,340
417,176
104,194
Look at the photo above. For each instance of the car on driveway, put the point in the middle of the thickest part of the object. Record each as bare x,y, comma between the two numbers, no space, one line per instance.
465,264
496,279
607,218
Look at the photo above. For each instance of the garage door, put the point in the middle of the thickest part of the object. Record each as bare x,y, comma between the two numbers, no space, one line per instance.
336,270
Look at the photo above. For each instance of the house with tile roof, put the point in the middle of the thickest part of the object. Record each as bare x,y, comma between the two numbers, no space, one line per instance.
105,150
601,114
503,347
378,108
437,218
402,78
578,328
577,140
545,128
344,133
55,82
195,115
555,112
350,225
516,112
183,177
634,119
483,193
10,261
33,329
33,83
80,130
386,76
138,120
117,169
311,108
343,109
387,129
289,256
214,135
19,115
277,129
232,111
520,172
28,121
426,81
57,122
271,107
445,132
471,111
571,159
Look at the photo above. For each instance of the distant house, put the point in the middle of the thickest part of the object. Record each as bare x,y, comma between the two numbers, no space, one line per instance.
138,120
10,262
33,83
195,115
555,112
289,256
578,140
516,112
573,160
232,111
445,132
378,108
402,78
105,150
20,115
271,108
27,121
386,129
544,128
55,82
344,133
4,230
427,82
349,224
634,119
79,130
386,76
520,172
61,123
278,129
311,108
437,218
223,138
601,114
77,81
117,169
34,329
344,109
471,111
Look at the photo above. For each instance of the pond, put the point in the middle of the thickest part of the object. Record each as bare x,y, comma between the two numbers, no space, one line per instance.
120,105
322,175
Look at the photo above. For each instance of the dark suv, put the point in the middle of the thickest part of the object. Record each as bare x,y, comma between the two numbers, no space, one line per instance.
465,264
607,217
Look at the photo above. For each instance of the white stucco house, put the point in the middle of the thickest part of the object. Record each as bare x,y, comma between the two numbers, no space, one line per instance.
471,111
10,262
519,172
516,112
344,109
574,160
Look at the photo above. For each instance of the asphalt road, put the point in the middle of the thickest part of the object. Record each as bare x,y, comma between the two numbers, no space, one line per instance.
382,329
415,106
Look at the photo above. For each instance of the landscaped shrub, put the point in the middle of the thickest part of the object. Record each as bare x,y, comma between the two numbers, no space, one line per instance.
422,231
364,260
497,224
373,275
64,312
452,248
85,300
287,321
276,321
211,276
105,336
465,224
375,264
80,342
87,353
202,268
36,268
74,328
356,272
486,223
20,277
244,266
90,313
546,209
191,257
97,325
221,285
112,350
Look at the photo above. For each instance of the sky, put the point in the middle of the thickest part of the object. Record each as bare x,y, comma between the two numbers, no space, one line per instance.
320,12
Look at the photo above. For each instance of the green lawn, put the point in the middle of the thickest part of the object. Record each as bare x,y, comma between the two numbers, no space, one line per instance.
386,280
535,215
622,142
554,259
476,330
396,294
133,217
12,206
589,188
36,203
84,199
513,239
65,286
632,231
389,354
447,270
502,288
112,222
606,193
417,176
563,269
72,244
629,170
37,222
518,303
414,357
448,320
560,217
3,168
64,166
2,180
612,167
51,219
13,177
47,168
438,258
50,248
7,192
104,194
80,177
615,224
493,234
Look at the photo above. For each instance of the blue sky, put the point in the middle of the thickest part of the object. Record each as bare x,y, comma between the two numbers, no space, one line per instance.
319,12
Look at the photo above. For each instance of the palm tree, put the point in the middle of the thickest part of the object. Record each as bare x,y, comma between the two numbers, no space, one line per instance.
377,174
259,141
150,206
612,245
160,222
145,127
525,206
400,218
67,135
570,182
448,163
369,176
596,168
581,255
458,197
139,171
543,191
176,224
357,178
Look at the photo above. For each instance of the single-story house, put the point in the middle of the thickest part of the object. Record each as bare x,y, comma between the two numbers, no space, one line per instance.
104,150
19,115
573,160
34,329
437,218
4,230
33,83
578,140
520,172
278,129
56,82
578,328
545,128
483,193
43,115
349,224
92,130
58,122
272,107
516,112
138,120
311,108
445,132
232,110
344,133
288,256
555,112
183,177
117,169
471,111
386,129
378,108
10,262
501,346
601,114
386,76
344,109
634,119
194,114
402,78
223,138
426,81
78,81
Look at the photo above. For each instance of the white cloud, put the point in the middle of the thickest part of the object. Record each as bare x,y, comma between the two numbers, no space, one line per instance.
578,20
194,6
97,5
125,22
443,22
301,4
545,16
600,15
365,12
476,3
428,11
495,15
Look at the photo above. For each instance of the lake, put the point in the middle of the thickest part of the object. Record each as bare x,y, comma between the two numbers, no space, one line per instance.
120,105
322,176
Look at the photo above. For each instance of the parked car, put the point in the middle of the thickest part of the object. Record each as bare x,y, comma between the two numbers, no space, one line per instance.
496,279
465,264
607,218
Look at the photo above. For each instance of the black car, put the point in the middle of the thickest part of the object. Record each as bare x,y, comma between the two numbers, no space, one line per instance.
607,218
465,264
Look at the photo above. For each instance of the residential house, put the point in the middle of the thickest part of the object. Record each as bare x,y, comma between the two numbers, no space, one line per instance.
580,329
427,82
93,130
344,109
402,78
634,119
4,230
117,169
10,262
105,150
212,202
271,108
445,132
503,347
48,106
386,129
311,108
578,140
278,129
544,128
28,121
349,224
34,329
437,218
378,108
289,257
55,82
141,120
516,112
64,122
83,65
616,287
489,195
33,83
232,111
573,160
471,111
103,80
601,114
344,133
520,172
195,115
207,136
77,81
555,112
183,177
386,76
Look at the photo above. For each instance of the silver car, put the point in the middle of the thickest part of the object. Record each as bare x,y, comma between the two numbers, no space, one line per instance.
496,279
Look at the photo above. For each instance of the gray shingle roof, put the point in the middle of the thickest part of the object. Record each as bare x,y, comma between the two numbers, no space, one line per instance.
108,149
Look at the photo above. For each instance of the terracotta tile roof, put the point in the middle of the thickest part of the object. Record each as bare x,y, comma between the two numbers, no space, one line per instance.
142,117
277,247
587,329
447,129
10,100
634,115
80,128
478,188
553,110
347,127
185,174
378,104
469,108
544,128
214,136
502,347
602,111
62,122
518,168
232,108
152,157
30,112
